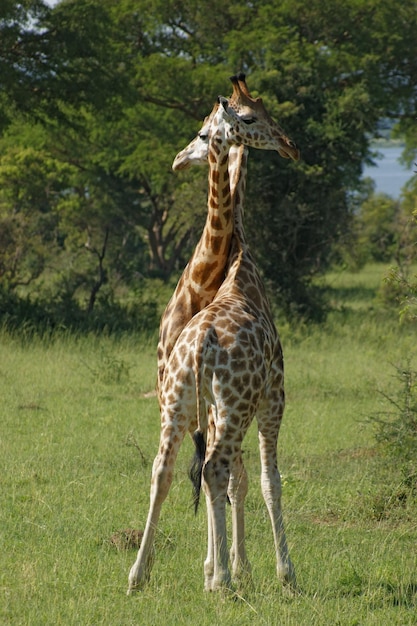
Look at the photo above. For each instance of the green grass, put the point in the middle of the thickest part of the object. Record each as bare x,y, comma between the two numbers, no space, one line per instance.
78,434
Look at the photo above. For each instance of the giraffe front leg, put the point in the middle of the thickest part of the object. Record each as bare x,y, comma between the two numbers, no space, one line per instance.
141,569
237,491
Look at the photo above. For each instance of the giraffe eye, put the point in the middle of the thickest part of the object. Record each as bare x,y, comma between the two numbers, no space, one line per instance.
203,136
248,120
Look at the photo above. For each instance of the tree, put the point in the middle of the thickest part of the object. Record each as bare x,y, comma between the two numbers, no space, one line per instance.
120,87
31,182
380,226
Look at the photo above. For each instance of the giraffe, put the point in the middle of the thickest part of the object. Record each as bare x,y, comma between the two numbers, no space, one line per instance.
204,273
194,377
197,153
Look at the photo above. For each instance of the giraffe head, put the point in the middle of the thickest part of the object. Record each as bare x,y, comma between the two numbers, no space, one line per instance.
251,110
196,153
248,123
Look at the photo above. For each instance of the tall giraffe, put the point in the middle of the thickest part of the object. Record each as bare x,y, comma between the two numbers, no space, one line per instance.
197,153
183,395
204,273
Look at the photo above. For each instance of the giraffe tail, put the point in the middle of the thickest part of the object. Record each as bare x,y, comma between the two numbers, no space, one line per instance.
200,434
196,468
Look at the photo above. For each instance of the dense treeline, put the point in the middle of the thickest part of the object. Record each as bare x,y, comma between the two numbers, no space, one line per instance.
97,96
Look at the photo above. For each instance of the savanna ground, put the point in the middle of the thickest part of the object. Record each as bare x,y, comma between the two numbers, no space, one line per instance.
78,434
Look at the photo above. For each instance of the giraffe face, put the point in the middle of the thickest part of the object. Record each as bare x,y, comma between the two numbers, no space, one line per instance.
256,129
253,110
196,153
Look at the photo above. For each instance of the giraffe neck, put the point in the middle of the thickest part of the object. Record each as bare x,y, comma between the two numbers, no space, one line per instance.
238,167
205,271
241,270
206,268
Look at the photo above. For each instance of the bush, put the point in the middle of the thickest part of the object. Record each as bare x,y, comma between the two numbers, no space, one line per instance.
400,289
64,313
396,428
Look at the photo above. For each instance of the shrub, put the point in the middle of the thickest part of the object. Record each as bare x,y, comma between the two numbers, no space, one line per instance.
64,313
396,428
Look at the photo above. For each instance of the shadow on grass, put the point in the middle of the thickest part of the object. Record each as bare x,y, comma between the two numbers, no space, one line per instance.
401,595
381,594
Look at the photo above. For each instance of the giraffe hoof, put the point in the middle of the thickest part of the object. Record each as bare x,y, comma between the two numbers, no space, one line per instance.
133,589
289,584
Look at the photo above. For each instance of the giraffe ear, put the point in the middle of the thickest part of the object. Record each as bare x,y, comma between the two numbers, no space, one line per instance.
224,102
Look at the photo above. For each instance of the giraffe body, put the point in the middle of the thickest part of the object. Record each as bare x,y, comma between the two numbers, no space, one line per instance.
227,357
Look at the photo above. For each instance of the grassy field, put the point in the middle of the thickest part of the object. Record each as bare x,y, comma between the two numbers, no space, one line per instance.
78,434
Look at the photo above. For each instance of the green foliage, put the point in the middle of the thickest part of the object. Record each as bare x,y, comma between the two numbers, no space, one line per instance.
32,182
381,230
397,428
400,290
43,317
396,434
400,285
120,87
378,228
18,21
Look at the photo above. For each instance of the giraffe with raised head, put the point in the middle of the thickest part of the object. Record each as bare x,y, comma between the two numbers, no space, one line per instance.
197,153
183,392
205,271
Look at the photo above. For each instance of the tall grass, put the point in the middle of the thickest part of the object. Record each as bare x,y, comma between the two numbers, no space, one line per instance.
79,429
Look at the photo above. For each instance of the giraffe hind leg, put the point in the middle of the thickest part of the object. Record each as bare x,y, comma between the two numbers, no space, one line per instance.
237,490
162,474
215,477
209,561
271,490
